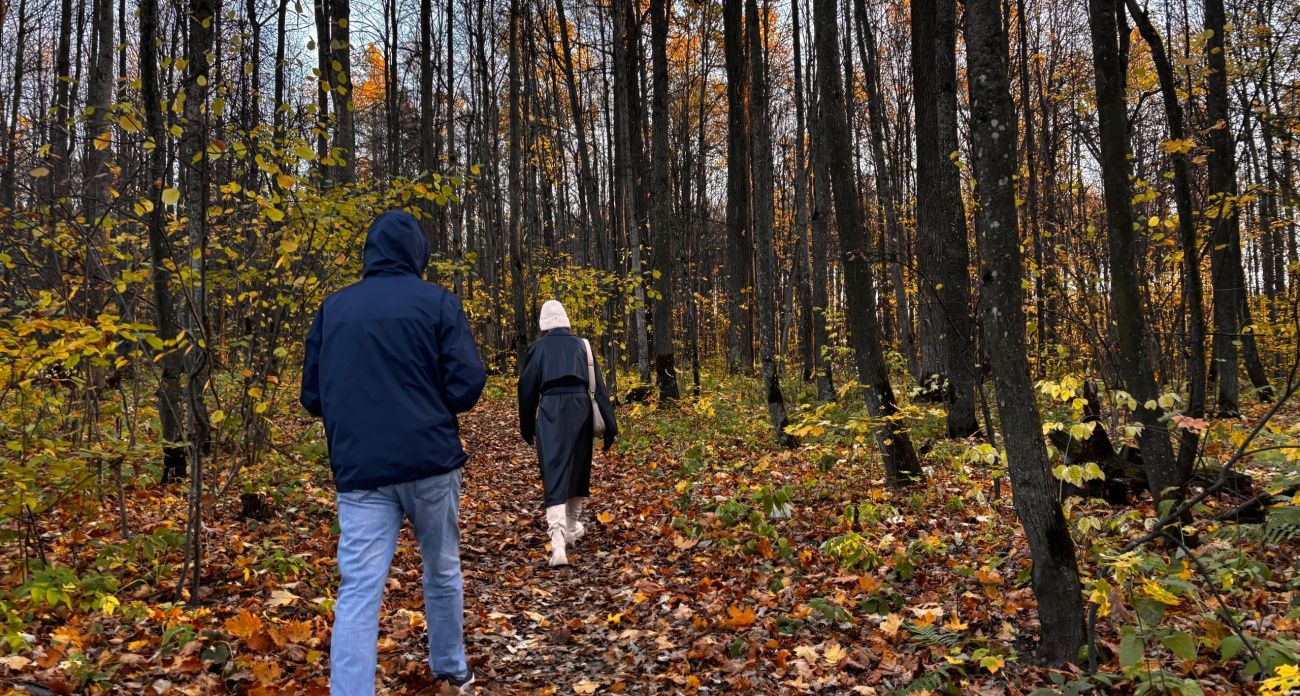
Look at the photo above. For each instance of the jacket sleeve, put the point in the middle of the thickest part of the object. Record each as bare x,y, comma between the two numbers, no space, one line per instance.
310,396
604,404
462,375
530,393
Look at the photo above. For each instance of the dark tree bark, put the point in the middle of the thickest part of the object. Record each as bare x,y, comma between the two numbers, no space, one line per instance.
662,221
516,146
322,16
345,132
764,216
428,162
901,463
99,95
169,387
886,189
821,234
993,136
281,15
1192,293
1126,297
803,258
942,252
61,142
740,243
1232,321
8,193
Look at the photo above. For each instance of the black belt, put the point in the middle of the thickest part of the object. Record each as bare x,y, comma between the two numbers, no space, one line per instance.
567,389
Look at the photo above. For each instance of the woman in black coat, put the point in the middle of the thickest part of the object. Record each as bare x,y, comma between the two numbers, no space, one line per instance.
555,410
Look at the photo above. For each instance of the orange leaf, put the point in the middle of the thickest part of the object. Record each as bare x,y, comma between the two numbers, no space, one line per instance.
244,625
740,618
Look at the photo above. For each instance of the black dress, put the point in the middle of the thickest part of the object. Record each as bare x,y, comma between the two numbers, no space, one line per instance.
555,412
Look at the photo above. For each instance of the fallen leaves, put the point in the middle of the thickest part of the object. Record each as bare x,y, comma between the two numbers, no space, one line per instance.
740,618
282,598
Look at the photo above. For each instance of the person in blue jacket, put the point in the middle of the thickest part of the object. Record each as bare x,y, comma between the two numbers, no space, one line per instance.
390,362
555,410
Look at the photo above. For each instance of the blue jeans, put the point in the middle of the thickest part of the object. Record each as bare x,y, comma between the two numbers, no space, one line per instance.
369,522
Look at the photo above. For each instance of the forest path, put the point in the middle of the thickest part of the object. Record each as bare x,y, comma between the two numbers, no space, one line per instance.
605,621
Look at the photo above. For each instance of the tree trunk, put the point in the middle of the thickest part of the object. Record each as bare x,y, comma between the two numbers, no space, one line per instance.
942,252
886,189
1192,293
764,215
993,136
516,121
323,52
1126,298
8,194
901,464
821,234
740,245
662,221
60,143
169,388
345,134
803,260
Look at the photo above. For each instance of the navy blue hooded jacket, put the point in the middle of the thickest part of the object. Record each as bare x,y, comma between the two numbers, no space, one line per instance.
389,362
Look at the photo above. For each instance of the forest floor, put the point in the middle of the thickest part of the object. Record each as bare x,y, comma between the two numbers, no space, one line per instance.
704,570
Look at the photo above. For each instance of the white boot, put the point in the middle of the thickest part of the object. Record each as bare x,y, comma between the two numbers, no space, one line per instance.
557,527
574,510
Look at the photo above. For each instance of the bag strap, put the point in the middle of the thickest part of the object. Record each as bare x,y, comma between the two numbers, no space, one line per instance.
591,368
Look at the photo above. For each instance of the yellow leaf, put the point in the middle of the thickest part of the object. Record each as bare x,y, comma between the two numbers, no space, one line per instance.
586,687
891,624
285,181
604,517
103,140
1154,590
171,196
955,624
39,172
834,653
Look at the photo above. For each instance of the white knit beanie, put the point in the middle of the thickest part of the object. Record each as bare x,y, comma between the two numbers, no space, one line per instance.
553,316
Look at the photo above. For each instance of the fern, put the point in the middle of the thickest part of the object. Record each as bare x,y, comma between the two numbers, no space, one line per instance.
933,636
938,680
1283,525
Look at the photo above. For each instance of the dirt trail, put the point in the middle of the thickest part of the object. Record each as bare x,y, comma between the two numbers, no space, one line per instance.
530,627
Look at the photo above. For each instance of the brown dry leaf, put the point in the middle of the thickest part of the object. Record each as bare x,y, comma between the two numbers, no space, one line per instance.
15,662
683,543
586,687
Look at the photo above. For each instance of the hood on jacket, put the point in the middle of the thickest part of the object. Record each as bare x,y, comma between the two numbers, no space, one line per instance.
395,245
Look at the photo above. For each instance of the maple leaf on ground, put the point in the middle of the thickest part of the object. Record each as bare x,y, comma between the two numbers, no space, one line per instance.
834,653
266,672
808,653
605,517
740,618
891,624
586,687
244,625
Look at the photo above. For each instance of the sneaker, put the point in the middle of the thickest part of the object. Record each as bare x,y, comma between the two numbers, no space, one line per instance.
464,683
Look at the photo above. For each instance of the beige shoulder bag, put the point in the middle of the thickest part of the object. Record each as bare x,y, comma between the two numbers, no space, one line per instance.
597,422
